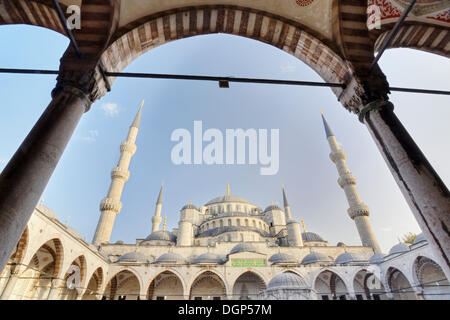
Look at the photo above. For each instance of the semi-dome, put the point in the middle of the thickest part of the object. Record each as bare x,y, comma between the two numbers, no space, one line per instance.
399,248
223,199
287,280
170,257
162,236
312,237
348,257
282,258
377,258
315,257
273,207
244,247
133,257
208,258
419,238
189,206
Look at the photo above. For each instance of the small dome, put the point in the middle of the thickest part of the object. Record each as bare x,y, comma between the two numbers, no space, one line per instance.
223,199
420,238
273,207
170,257
399,248
161,235
287,280
244,247
347,257
208,258
133,257
119,242
377,258
315,257
282,258
341,244
312,237
189,206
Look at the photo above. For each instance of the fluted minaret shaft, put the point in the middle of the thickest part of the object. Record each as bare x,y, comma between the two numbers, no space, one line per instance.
156,219
292,226
357,211
111,205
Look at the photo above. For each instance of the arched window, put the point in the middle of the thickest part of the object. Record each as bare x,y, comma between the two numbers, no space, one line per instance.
221,223
254,223
214,224
246,222
238,222
229,222
229,208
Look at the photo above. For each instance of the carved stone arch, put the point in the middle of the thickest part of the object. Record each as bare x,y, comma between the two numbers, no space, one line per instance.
157,288
399,285
217,286
155,30
248,285
122,279
94,285
18,256
329,284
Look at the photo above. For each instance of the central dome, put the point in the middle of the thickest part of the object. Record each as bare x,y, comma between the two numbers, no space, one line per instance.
223,199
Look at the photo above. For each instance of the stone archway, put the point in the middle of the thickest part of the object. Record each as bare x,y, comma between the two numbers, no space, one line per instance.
367,286
208,286
399,285
94,285
72,280
166,286
124,285
330,286
431,278
248,286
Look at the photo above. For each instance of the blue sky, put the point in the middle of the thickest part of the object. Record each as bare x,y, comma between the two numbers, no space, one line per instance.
82,177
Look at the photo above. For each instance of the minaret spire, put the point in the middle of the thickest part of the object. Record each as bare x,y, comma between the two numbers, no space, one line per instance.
111,205
228,189
358,211
156,219
287,208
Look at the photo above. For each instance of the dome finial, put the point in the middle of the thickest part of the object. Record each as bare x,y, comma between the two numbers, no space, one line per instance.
303,225
228,189
165,223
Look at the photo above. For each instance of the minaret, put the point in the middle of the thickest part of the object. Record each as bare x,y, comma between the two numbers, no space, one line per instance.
358,211
292,226
156,219
111,205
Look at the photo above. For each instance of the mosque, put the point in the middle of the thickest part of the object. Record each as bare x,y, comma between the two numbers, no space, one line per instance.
225,249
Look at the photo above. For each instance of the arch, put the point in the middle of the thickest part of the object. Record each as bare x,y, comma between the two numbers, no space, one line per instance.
35,13
19,254
368,286
94,285
399,285
166,285
208,285
248,286
71,293
155,30
330,286
123,285
44,266
430,276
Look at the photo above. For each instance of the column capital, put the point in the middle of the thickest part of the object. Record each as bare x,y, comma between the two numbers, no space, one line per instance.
87,82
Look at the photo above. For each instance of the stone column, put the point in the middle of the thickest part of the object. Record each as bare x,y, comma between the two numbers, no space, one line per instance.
28,172
9,288
55,289
423,189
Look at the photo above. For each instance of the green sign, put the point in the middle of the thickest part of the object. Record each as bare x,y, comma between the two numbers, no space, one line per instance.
247,263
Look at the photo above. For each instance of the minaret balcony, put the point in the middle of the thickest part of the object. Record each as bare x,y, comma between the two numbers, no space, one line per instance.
359,211
338,155
128,147
110,204
347,179
120,173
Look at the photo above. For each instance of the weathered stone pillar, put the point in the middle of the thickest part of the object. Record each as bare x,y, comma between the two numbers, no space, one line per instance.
55,289
28,172
423,189
9,288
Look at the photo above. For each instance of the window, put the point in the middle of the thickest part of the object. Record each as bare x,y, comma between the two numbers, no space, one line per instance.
214,224
160,298
229,222
198,298
246,222
343,297
376,296
238,222
221,223
325,298
238,208
359,297
229,208
216,298
254,223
